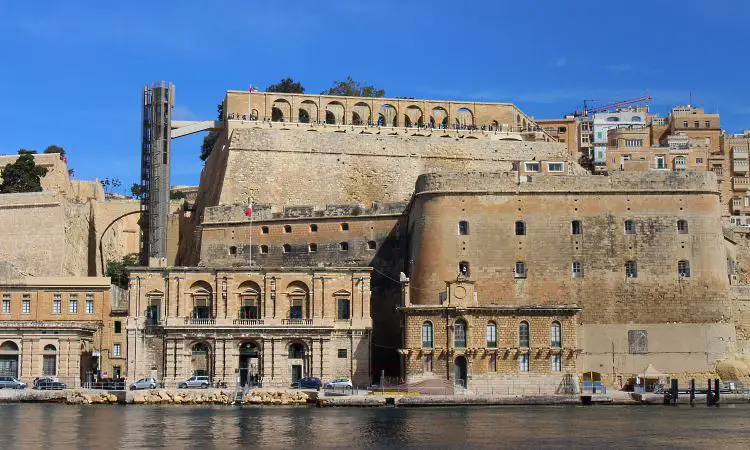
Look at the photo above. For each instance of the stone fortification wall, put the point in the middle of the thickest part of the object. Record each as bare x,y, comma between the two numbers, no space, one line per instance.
548,247
56,180
294,166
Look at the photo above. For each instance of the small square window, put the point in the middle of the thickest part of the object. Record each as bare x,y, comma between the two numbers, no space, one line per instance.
463,268
531,167
463,227
313,228
344,227
708,124
263,249
520,228
286,248
343,246
577,269
342,353
118,326
287,229
576,227
312,248
682,226
232,250
371,245
683,269
264,230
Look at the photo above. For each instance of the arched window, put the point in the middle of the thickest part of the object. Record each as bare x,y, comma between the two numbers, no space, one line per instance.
555,334
264,230
459,334
427,335
464,269
286,248
520,228
298,295
524,335
232,250
49,360
491,335
296,351
313,228
343,246
463,227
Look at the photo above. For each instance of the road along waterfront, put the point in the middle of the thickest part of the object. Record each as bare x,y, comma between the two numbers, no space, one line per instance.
37,425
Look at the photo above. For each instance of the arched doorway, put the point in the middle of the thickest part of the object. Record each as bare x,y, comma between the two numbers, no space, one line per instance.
250,368
461,371
9,356
200,359
281,111
297,360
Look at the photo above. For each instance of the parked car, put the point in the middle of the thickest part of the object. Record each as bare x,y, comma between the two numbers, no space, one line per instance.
110,384
11,383
339,383
144,383
196,381
308,383
47,384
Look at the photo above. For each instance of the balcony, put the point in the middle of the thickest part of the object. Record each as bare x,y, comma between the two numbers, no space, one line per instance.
249,322
741,183
736,204
297,322
739,153
192,321
740,165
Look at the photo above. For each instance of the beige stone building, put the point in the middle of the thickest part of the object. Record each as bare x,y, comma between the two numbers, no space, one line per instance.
69,328
250,326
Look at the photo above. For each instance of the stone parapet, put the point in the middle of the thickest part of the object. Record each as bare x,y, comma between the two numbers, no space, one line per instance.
236,213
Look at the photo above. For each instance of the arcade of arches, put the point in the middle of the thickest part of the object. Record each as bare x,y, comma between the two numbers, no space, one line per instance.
248,328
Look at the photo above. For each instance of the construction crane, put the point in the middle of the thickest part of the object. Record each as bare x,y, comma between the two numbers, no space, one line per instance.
586,110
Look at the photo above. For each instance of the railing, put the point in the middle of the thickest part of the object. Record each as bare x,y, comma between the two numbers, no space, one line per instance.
248,322
741,183
192,321
296,322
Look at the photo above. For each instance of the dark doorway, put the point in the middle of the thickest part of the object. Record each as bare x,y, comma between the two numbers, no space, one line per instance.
249,364
460,371
296,372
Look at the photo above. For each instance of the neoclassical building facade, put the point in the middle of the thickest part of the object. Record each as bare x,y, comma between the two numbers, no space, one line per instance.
247,326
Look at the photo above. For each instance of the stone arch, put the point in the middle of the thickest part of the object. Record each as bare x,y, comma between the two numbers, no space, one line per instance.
308,112
335,112
200,358
298,296
387,115
413,116
9,359
202,300
249,294
254,114
250,363
361,114
281,110
439,117
464,118
495,126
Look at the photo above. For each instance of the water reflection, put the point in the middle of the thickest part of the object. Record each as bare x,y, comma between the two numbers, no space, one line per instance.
45,426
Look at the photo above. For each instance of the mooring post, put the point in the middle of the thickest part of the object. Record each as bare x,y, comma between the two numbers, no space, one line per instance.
692,392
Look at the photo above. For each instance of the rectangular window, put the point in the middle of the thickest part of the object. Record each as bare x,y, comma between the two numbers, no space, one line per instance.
523,363
699,160
49,365
520,269
342,353
683,269
343,307
73,304
56,304
631,271
6,303
577,269
638,341
697,124
630,227
89,304
633,142
684,123
116,350
531,167
26,304
555,167
661,162
491,336
708,124
576,227
118,326
556,362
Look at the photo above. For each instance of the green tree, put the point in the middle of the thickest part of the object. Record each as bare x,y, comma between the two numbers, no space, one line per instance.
117,270
23,175
287,86
55,149
352,88
210,139
136,190
176,195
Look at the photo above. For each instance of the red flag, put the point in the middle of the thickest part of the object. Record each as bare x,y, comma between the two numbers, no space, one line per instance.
249,210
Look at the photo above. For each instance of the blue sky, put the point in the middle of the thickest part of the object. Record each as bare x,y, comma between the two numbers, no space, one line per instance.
71,72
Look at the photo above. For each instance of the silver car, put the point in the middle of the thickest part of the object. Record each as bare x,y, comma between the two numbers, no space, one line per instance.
11,383
144,383
196,381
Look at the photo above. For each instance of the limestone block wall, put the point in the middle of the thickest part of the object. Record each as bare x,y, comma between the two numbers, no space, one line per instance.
291,166
56,180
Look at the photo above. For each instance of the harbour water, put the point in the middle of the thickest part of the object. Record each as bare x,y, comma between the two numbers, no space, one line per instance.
53,426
